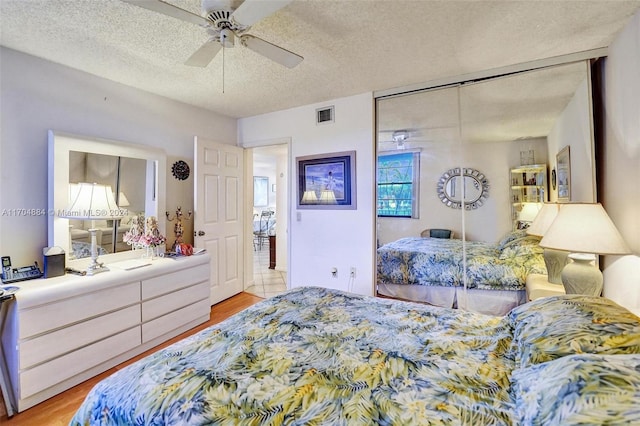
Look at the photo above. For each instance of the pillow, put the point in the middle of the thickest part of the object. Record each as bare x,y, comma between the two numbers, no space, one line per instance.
578,389
528,246
440,233
557,326
520,233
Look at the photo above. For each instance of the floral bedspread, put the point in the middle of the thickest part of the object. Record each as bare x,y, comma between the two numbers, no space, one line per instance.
326,357
320,356
439,262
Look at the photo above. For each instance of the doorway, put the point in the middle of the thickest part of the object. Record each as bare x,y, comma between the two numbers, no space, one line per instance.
269,216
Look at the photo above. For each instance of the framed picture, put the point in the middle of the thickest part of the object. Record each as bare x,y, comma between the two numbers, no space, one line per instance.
563,174
327,181
260,191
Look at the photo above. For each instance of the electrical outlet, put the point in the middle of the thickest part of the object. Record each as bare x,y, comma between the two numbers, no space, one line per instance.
334,272
352,273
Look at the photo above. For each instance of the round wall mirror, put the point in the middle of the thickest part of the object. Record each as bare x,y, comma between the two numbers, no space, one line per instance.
463,186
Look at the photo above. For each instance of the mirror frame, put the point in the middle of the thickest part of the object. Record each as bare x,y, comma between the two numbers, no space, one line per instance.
61,144
474,174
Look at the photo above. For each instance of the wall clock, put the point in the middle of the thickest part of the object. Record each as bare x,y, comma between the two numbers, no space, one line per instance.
180,170
553,179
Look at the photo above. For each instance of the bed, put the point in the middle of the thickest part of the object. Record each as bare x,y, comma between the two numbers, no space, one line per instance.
431,270
320,356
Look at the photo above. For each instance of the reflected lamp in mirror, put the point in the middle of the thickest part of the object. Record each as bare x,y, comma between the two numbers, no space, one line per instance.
327,196
122,200
554,260
309,197
584,229
90,201
529,212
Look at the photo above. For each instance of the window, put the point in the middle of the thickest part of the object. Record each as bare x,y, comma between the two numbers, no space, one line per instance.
398,177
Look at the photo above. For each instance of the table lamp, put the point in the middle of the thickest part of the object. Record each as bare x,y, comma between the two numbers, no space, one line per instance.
554,260
309,197
327,196
584,229
90,201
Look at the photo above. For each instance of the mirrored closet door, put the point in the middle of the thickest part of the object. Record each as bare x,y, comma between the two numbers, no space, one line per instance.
456,147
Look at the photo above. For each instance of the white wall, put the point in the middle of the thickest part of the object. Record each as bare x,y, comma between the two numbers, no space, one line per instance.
38,95
573,128
620,174
323,239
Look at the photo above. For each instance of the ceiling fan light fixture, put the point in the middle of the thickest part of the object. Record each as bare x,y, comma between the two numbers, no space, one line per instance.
226,38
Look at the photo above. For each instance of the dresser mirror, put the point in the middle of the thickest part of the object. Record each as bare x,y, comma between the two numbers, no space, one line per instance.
136,174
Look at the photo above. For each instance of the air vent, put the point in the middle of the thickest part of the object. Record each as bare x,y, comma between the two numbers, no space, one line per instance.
324,115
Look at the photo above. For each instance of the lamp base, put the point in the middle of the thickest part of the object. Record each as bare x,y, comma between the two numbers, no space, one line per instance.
581,276
555,261
96,268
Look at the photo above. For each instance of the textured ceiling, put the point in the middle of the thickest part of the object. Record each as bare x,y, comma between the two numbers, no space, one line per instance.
349,47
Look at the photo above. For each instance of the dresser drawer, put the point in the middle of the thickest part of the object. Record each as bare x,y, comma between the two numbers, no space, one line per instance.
174,320
162,305
168,283
41,319
55,371
43,348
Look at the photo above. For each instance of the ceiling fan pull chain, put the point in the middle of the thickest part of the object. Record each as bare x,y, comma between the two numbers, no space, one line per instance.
223,49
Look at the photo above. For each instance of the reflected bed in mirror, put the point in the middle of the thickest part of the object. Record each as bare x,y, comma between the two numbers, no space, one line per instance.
136,174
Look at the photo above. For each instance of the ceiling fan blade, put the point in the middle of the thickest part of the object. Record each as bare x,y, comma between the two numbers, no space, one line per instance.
204,55
170,10
271,51
251,11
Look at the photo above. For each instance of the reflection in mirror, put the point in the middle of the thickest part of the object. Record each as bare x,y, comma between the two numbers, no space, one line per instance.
136,174
426,124
489,124
458,185
523,119
126,178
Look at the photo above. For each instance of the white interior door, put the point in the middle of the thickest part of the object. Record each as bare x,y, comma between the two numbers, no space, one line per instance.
218,214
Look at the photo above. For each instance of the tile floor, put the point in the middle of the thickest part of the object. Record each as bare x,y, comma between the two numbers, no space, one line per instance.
267,282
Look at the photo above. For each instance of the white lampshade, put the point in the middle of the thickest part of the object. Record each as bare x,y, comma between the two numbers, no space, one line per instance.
309,197
584,228
529,212
91,201
543,220
327,196
122,200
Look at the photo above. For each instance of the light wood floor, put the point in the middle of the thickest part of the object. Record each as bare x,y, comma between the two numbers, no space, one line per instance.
59,409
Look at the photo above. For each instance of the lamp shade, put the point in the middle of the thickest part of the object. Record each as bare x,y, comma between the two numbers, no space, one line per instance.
91,201
544,219
529,212
584,228
122,200
327,196
309,197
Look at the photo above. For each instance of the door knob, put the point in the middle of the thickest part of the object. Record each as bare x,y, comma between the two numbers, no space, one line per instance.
201,233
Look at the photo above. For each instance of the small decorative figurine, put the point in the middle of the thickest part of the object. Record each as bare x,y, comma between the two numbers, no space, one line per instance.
178,228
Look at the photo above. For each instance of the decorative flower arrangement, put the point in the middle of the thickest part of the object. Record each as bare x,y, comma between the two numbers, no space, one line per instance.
141,236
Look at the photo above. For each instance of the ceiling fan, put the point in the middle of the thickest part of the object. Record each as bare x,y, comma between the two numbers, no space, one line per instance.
225,21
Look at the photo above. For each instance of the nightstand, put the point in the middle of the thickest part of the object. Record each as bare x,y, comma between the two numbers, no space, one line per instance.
538,286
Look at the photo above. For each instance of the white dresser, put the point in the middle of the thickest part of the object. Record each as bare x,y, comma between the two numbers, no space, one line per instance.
62,331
